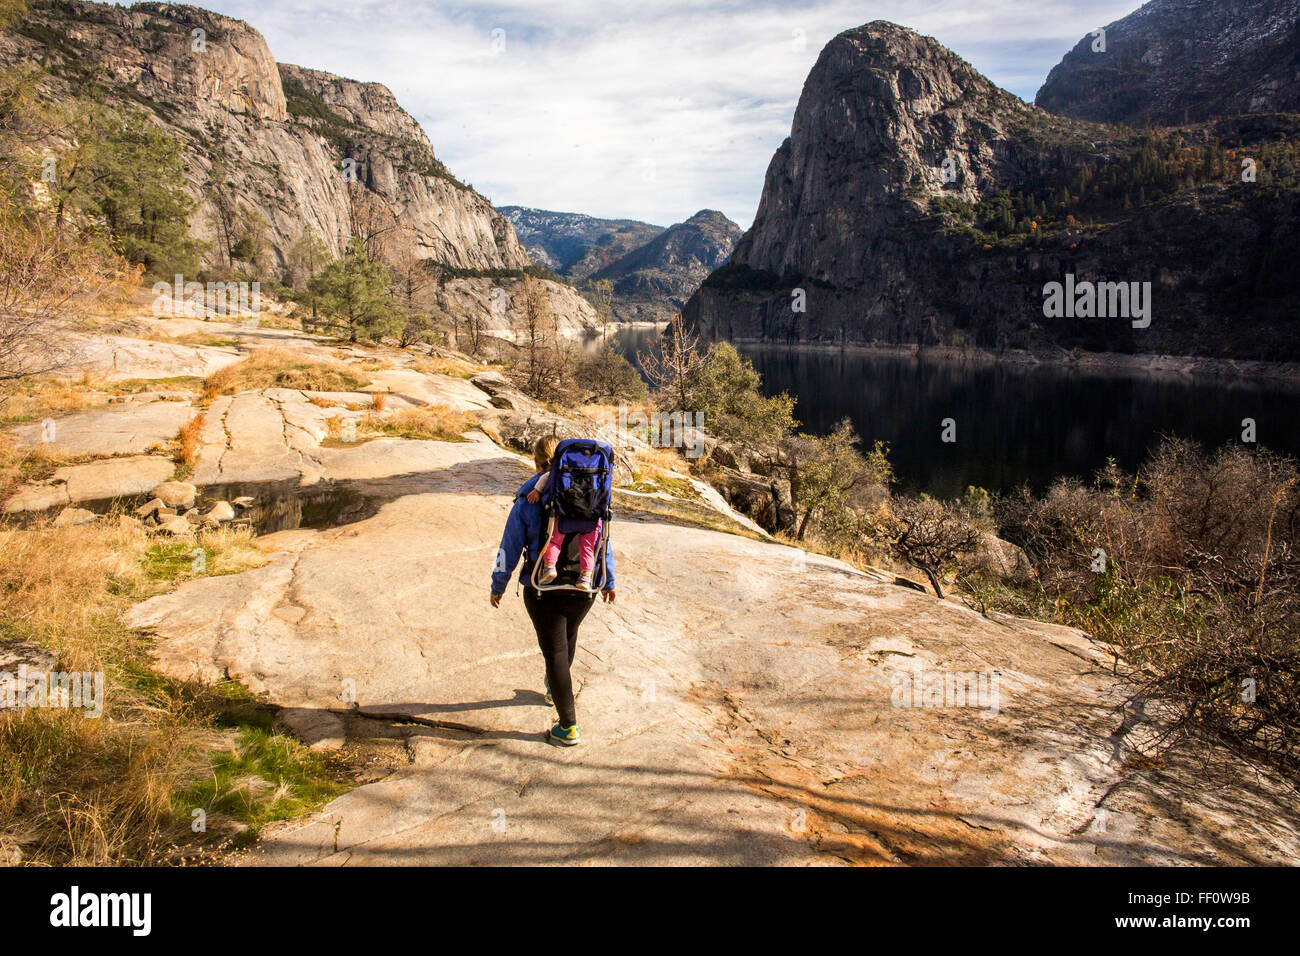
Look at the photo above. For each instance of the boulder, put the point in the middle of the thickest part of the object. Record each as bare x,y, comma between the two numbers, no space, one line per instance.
175,525
730,455
124,429
73,516
150,507
501,394
1000,559
221,511
764,501
109,478
244,501
176,494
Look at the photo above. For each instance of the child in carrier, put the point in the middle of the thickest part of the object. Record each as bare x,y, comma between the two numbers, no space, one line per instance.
587,544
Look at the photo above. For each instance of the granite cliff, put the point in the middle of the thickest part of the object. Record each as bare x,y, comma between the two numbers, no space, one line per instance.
915,204
294,148
1173,62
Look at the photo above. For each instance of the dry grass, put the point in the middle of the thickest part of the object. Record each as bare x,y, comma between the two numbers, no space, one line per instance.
282,368
455,367
335,426
659,459
189,439
202,339
116,789
370,363
661,469
172,383
431,423
76,789
378,400
30,400
18,467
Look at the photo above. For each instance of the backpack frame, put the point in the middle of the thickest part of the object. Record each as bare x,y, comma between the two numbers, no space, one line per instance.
578,494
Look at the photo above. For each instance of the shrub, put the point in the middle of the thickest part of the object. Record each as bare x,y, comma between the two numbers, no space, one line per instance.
607,376
1193,568
189,439
928,534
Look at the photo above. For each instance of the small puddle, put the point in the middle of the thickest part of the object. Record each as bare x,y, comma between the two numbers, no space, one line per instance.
287,506
276,506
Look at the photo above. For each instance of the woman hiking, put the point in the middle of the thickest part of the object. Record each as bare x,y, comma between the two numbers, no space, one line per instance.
556,615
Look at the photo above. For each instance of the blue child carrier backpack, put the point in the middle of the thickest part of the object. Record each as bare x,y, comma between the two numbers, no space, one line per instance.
578,494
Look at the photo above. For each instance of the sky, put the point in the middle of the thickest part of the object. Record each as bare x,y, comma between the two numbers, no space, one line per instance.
647,110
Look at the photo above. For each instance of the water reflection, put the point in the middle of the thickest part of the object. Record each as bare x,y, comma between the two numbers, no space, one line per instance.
1015,424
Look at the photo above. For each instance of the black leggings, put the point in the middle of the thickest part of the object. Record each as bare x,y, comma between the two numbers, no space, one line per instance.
556,616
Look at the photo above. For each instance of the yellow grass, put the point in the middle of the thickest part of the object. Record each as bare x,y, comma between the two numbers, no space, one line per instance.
202,339
453,366
282,368
433,422
18,467
78,789
29,400
190,439
334,426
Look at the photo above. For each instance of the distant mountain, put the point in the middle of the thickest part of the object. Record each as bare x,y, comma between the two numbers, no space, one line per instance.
1183,61
653,282
654,270
915,204
574,244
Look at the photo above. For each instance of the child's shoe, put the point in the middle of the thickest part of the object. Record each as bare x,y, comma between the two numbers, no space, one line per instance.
584,580
565,735
548,574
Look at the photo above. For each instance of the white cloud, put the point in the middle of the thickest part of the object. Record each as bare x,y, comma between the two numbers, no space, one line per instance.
645,110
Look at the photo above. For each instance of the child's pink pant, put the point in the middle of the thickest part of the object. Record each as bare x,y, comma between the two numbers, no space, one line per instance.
586,549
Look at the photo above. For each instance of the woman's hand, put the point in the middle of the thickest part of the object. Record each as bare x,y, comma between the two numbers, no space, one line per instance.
496,600
608,596
534,495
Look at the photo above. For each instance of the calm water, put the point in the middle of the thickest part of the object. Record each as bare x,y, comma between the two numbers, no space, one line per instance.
1014,424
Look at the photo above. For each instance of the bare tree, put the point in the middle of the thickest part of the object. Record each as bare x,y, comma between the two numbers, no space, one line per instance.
545,365
372,221
671,368
925,533
601,295
46,280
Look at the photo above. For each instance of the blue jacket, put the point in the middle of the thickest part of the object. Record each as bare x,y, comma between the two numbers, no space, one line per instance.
521,537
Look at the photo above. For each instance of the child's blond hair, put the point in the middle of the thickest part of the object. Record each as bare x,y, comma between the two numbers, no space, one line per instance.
544,451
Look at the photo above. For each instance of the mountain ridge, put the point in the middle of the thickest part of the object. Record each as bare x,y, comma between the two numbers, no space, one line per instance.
283,136
654,280
1174,62
576,244
653,269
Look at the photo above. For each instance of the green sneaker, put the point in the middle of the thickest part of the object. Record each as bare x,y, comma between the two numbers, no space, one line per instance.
566,735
